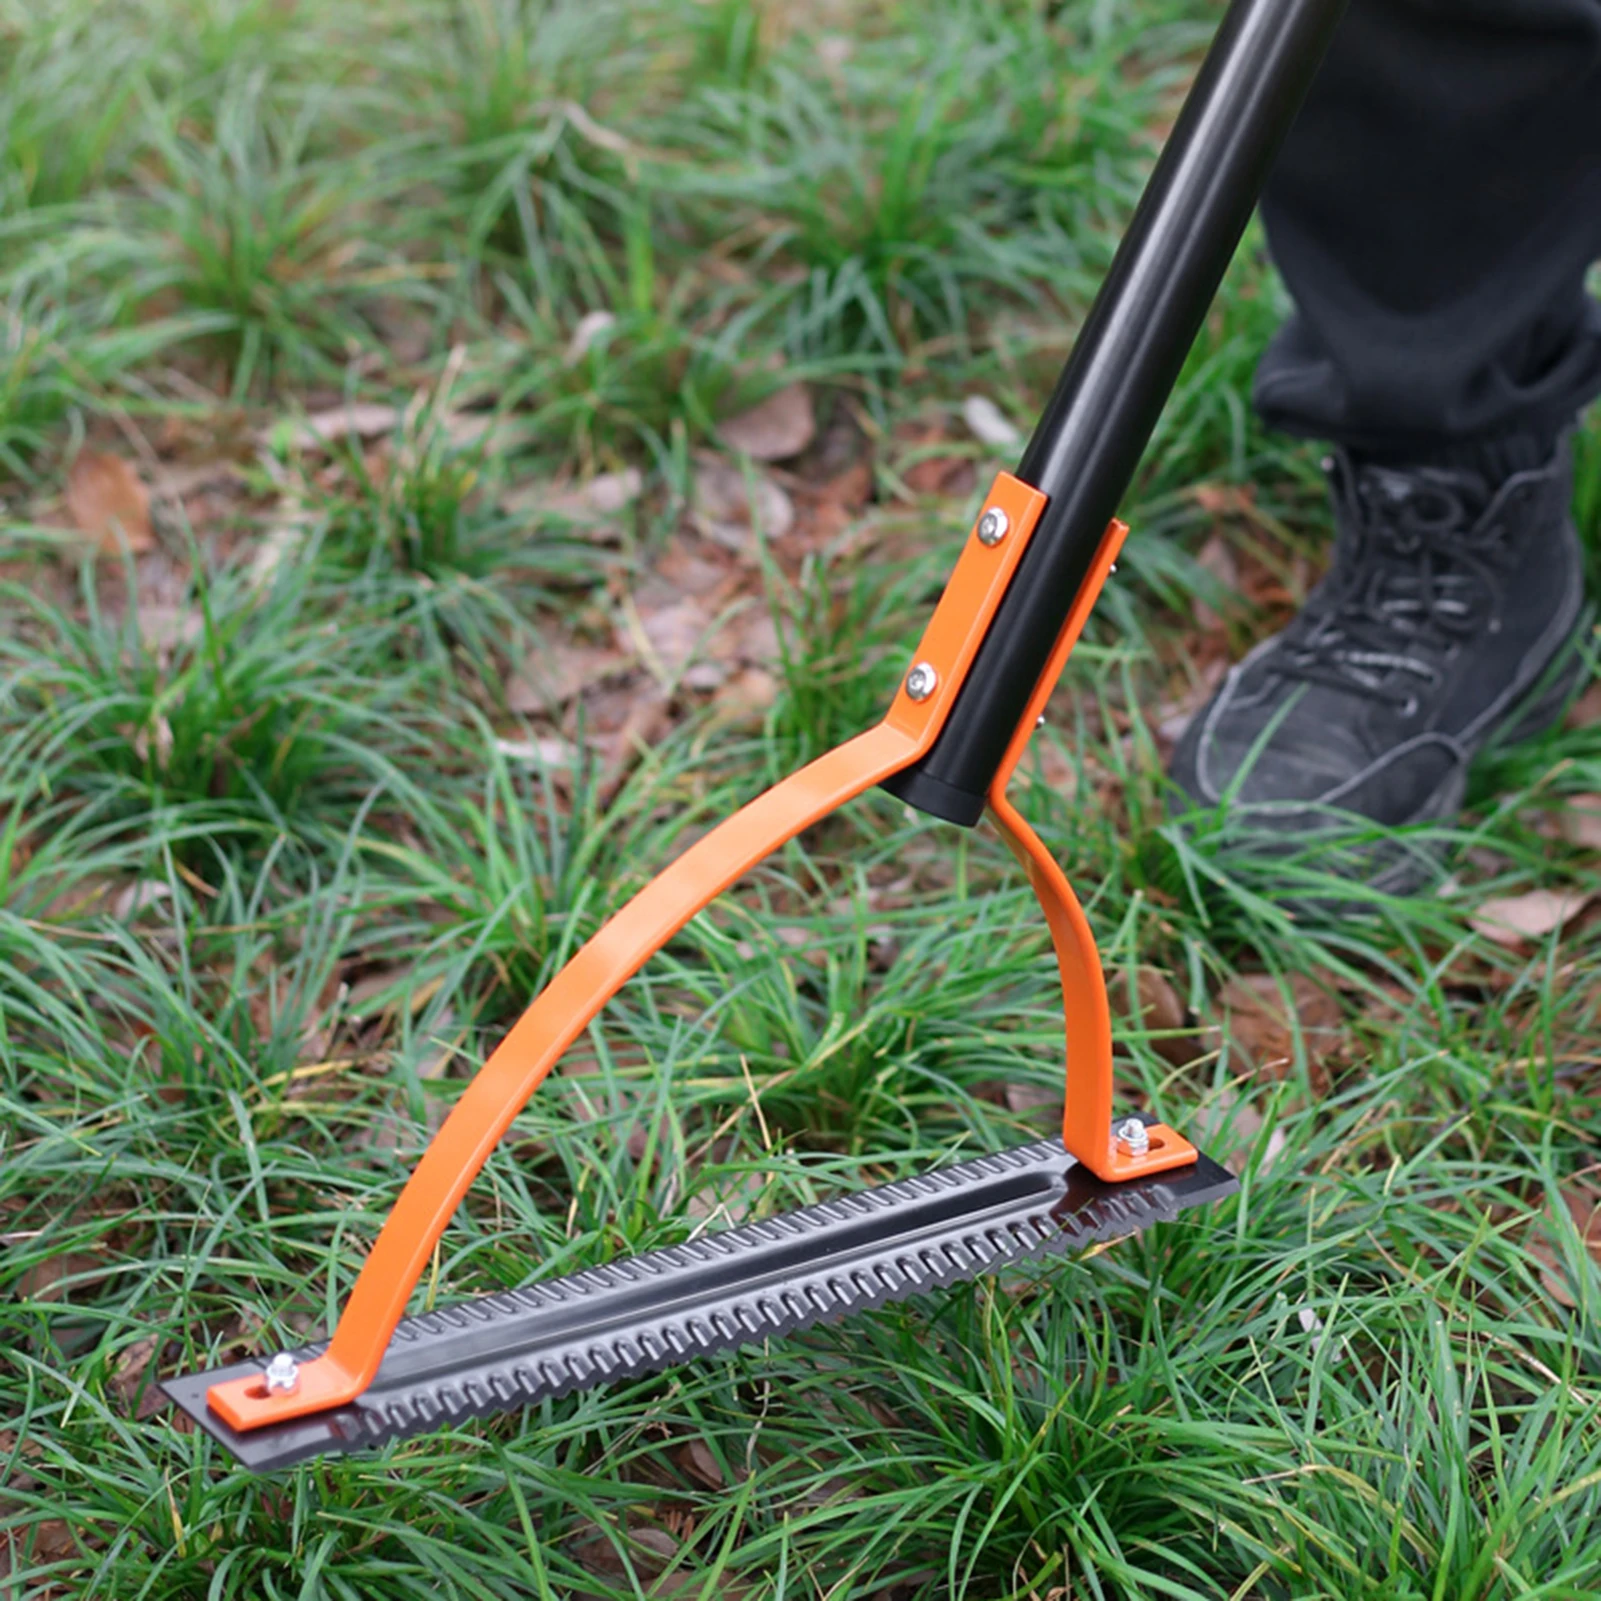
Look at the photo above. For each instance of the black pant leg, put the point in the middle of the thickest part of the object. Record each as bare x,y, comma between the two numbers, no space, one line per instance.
1434,213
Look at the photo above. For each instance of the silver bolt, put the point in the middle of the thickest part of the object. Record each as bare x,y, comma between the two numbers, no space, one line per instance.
1111,570
1131,1131
922,681
992,526
283,1374
1039,722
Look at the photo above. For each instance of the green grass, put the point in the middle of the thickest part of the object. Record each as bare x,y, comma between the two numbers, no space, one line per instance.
286,840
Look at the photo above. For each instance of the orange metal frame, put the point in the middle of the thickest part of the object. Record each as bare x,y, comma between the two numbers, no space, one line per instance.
570,1002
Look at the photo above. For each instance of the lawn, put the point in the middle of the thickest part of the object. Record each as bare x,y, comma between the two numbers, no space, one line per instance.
454,451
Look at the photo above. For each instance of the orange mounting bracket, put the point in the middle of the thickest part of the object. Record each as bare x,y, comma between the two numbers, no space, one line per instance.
567,1005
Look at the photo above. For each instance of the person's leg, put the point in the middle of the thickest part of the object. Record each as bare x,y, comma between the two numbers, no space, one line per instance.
1434,214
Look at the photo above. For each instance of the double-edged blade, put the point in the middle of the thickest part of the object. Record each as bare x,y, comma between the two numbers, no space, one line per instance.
735,1287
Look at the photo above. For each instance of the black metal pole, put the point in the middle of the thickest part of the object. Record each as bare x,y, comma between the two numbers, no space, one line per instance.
1123,367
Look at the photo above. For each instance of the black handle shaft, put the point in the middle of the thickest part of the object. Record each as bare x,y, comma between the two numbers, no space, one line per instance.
1123,367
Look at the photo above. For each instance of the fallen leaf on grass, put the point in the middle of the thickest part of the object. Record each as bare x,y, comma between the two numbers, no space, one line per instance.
1225,500
1170,718
128,1372
775,429
1264,1024
590,327
359,420
989,424
673,633
135,897
1585,712
600,497
848,490
700,1464
279,544
1580,821
53,1541
547,752
1216,558
746,694
933,471
1518,919
1233,1126
1158,1011
552,676
1583,1201
1038,1106
649,1551
154,738
107,500
163,628
728,505
46,1280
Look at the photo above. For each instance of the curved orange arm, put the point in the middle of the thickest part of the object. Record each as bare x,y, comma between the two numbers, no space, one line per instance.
571,1000
1087,1114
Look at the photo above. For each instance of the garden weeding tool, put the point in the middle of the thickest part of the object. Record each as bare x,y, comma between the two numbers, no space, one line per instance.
1034,562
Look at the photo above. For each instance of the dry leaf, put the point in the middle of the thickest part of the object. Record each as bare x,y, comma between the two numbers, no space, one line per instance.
53,1541
1215,557
1584,1206
728,505
989,424
548,752
1161,1013
361,420
1585,712
108,501
602,496
162,628
154,737
280,542
849,490
551,677
1038,1106
45,1281
1580,821
700,1464
1583,1202
1225,500
650,1550
590,327
775,429
128,1373
1520,918
1263,1023
673,630
135,897
934,472
747,693
1228,1124
726,1200
1170,718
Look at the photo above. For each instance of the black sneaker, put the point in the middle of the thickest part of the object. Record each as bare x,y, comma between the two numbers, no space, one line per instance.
1448,622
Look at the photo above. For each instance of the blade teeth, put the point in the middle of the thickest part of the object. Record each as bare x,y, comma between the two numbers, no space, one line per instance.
599,1323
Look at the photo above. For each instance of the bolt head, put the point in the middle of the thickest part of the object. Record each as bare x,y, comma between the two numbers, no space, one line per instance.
282,1374
922,681
1132,1132
992,526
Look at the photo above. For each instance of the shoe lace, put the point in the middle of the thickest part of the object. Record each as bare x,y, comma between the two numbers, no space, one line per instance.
1412,578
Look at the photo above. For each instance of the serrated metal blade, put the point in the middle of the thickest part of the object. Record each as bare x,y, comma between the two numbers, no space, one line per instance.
735,1287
